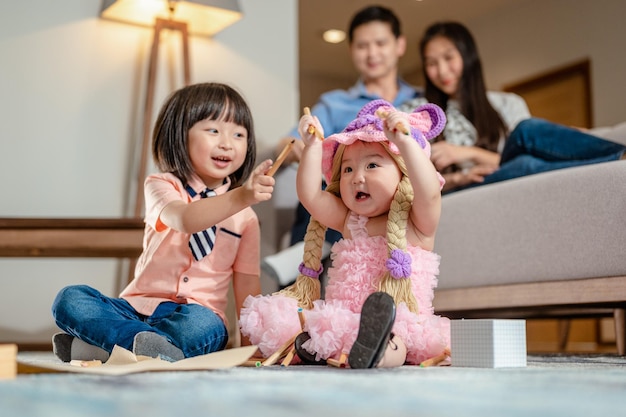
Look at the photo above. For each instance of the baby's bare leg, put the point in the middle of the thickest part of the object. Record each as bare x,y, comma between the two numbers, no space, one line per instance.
395,354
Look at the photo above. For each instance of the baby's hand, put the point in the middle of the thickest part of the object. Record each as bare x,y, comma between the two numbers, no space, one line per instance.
397,127
260,186
309,129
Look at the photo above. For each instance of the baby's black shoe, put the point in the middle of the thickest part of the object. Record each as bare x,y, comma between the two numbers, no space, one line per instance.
306,357
377,318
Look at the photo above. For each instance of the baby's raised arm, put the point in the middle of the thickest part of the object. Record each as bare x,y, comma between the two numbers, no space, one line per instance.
426,208
325,207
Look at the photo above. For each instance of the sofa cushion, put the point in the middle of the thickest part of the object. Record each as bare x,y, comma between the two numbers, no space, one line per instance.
559,225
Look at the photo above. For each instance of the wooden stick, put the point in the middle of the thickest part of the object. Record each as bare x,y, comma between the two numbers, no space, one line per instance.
289,357
339,363
382,114
436,360
274,357
255,363
85,364
292,351
301,317
9,367
312,130
281,158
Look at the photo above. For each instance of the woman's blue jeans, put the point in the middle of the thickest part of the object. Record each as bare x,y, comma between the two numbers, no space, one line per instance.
537,145
102,321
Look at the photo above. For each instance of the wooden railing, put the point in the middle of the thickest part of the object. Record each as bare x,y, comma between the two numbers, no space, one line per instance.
75,238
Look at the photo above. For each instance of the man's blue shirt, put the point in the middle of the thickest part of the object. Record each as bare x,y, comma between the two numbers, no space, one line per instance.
337,108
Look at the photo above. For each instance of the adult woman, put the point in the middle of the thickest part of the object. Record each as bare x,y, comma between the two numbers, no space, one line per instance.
483,125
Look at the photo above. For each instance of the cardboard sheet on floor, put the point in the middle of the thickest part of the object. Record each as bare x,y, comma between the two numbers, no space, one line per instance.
124,362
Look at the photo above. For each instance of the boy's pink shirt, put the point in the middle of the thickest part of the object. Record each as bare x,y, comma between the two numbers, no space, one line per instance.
167,271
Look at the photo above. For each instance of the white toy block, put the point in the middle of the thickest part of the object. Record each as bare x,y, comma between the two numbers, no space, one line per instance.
487,343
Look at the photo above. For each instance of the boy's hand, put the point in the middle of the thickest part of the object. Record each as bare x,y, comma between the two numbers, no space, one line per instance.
260,186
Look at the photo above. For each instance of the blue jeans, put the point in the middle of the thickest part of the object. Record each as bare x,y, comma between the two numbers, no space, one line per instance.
102,321
537,145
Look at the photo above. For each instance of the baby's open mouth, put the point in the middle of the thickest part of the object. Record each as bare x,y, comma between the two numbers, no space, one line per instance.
361,195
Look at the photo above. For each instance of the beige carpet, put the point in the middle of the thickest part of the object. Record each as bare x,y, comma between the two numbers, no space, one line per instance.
555,385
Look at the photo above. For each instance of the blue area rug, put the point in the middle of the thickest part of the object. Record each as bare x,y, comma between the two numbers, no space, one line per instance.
549,386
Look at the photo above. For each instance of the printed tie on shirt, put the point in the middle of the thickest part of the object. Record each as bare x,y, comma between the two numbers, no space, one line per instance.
201,243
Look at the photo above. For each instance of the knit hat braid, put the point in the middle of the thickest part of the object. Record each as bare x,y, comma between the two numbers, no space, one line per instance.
396,279
307,287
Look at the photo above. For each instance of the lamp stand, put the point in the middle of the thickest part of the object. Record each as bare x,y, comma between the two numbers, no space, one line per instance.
149,104
160,25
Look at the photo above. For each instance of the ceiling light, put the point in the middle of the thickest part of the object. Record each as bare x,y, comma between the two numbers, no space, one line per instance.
334,36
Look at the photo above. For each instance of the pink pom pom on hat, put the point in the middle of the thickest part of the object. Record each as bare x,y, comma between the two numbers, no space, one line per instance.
426,121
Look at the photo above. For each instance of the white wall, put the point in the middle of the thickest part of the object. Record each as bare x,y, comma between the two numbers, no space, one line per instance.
71,96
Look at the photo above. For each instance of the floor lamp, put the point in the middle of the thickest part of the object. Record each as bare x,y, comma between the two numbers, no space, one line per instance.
200,17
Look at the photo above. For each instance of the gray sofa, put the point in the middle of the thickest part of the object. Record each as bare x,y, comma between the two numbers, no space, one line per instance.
546,245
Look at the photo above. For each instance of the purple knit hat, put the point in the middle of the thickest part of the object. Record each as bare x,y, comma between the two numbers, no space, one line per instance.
426,121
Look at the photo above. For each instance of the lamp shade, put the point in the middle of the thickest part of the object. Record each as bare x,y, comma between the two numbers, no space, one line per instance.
203,17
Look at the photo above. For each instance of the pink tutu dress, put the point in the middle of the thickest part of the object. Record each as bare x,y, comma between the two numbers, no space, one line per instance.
333,324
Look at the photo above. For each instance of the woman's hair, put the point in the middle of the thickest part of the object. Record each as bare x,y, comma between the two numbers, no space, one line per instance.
472,94
306,288
374,14
183,109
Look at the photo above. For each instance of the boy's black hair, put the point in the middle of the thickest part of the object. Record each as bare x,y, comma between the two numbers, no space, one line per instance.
183,109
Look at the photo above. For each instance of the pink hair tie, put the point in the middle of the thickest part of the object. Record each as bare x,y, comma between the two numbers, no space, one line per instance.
399,264
309,272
